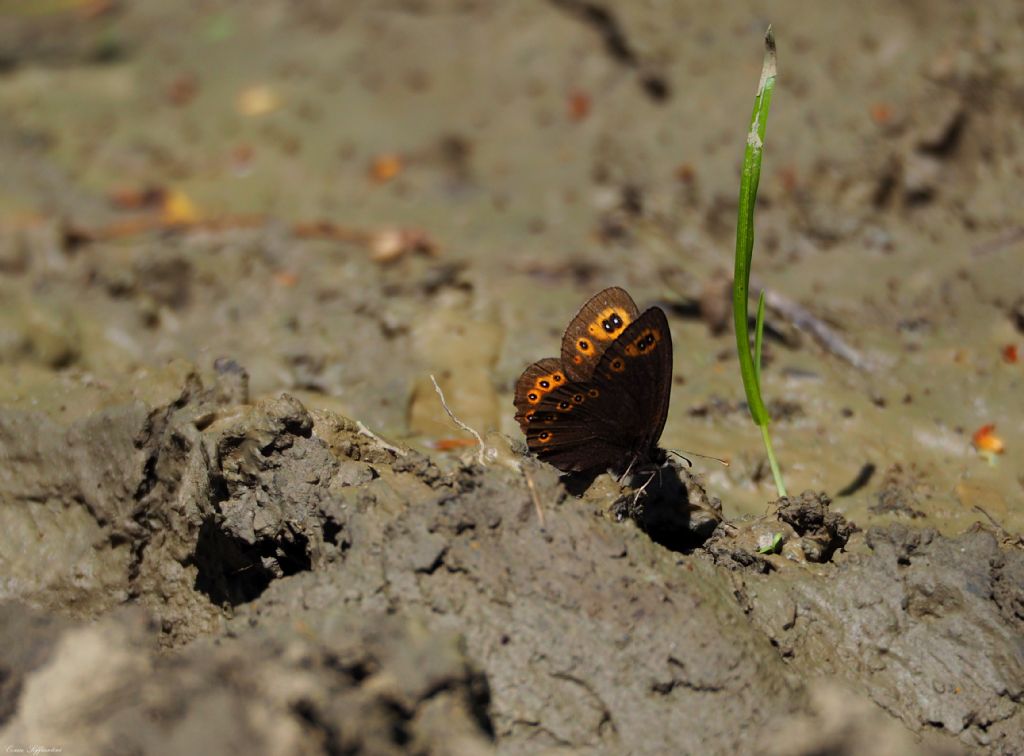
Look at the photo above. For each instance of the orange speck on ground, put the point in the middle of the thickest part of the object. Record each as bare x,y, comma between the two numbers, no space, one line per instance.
183,89
449,444
178,209
1010,355
385,167
881,113
146,198
685,173
578,106
986,440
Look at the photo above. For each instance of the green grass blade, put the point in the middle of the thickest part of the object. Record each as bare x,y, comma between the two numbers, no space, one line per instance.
750,364
745,230
758,339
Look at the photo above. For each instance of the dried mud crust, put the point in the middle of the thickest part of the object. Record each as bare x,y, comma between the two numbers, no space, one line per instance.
391,596
347,684
928,627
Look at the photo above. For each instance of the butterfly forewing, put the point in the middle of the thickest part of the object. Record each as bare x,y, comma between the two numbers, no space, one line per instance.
596,326
538,380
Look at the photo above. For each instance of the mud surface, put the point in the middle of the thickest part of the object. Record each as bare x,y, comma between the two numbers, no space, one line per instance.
235,245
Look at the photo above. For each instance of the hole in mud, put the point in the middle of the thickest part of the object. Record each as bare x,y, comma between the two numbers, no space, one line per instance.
331,530
232,571
307,712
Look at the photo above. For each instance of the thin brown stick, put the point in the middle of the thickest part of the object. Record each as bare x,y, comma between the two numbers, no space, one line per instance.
999,243
1003,532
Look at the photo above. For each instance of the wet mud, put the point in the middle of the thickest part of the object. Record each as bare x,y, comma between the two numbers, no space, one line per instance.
234,514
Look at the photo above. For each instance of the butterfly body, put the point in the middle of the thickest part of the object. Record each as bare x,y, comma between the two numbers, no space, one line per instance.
603,403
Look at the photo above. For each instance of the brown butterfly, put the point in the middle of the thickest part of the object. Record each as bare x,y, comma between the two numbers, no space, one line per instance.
604,402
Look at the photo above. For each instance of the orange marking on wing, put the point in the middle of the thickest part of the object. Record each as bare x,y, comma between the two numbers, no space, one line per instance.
596,328
645,342
543,385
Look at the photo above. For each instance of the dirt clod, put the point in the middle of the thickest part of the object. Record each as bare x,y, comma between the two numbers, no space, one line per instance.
821,530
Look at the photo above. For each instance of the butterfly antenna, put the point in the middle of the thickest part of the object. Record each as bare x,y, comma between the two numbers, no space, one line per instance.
723,462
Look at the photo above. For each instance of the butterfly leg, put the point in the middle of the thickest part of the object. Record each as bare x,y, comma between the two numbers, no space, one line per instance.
640,491
628,469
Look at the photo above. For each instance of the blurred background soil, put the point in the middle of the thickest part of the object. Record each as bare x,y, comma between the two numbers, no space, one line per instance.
206,205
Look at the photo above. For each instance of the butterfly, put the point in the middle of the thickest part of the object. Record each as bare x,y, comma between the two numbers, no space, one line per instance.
604,402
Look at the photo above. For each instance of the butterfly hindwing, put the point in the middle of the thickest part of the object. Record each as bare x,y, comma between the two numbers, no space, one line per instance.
574,429
638,365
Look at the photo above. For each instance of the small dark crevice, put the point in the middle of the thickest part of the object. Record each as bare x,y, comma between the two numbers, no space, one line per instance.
605,23
632,200
480,703
331,530
919,197
946,142
688,308
232,571
657,87
356,670
307,712
616,43
886,186
867,471
431,568
399,729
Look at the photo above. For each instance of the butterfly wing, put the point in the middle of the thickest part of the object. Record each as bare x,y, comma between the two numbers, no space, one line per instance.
594,328
615,417
638,365
538,380
567,442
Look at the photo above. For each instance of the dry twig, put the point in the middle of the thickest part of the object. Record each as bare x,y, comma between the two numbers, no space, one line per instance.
363,430
481,455
802,318
533,495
